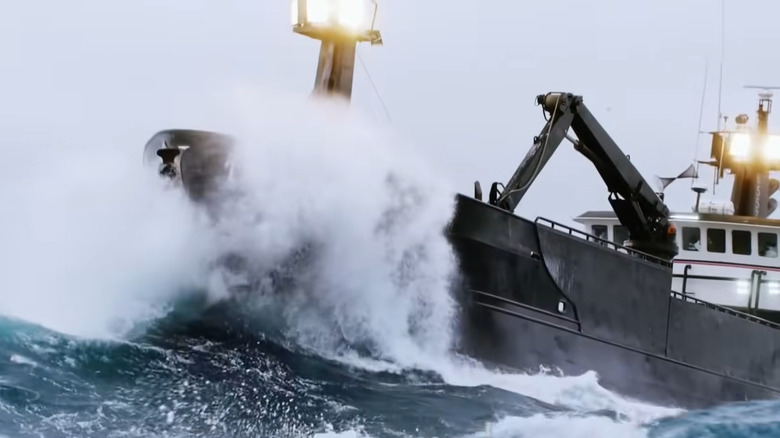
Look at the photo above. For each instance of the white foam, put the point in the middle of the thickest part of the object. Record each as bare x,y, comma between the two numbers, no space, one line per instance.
543,426
329,432
535,426
319,172
92,244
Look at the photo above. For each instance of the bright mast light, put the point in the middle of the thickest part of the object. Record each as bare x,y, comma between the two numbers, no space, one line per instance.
340,25
742,146
329,19
347,13
772,148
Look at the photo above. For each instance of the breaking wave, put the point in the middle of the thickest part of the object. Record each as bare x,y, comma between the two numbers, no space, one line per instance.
120,322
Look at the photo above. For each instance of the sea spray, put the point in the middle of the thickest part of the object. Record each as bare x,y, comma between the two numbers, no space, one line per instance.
374,215
379,294
93,245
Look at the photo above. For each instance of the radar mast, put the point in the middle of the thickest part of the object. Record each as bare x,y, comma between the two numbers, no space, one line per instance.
339,25
750,154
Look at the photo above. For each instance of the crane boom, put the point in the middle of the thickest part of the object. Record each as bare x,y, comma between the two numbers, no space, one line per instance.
638,207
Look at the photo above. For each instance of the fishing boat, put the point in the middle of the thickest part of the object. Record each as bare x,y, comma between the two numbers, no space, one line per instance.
633,304
727,247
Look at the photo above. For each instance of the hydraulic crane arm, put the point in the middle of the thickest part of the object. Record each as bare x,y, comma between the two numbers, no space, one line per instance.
636,204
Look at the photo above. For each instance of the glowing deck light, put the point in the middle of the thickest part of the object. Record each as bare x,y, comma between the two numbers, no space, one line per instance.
340,25
772,148
740,145
321,19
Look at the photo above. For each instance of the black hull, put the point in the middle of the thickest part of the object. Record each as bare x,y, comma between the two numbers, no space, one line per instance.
536,294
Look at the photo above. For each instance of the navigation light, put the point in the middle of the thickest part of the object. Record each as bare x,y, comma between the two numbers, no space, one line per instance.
322,19
772,148
742,145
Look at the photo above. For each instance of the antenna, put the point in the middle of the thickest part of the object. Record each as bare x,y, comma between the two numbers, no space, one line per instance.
766,90
701,115
722,56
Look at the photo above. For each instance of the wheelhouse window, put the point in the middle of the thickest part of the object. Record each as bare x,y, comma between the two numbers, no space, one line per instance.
741,242
619,234
599,231
716,240
767,244
691,237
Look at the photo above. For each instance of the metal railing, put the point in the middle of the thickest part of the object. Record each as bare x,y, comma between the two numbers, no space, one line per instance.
727,310
612,245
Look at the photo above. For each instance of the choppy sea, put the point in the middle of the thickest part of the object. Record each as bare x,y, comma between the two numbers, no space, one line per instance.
116,321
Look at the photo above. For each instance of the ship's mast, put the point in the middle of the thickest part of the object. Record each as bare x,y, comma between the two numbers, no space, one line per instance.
339,25
750,154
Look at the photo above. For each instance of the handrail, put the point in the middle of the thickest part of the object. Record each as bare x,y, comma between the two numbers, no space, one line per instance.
615,246
728,310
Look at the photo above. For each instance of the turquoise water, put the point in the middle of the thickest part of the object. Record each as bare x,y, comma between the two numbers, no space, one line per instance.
180,379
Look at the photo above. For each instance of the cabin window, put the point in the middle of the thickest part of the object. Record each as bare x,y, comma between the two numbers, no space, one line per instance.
716,240
767,244
740,242
599,231
691,239
620,234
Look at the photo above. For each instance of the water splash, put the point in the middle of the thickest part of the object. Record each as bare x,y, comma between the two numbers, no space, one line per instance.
373,213
93,252
92,245
378,295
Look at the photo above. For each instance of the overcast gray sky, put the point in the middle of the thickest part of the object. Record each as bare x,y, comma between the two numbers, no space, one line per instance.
458,77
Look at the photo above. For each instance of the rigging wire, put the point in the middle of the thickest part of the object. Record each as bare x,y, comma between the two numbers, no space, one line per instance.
722,57
701,117
715,178
538,167
373,85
